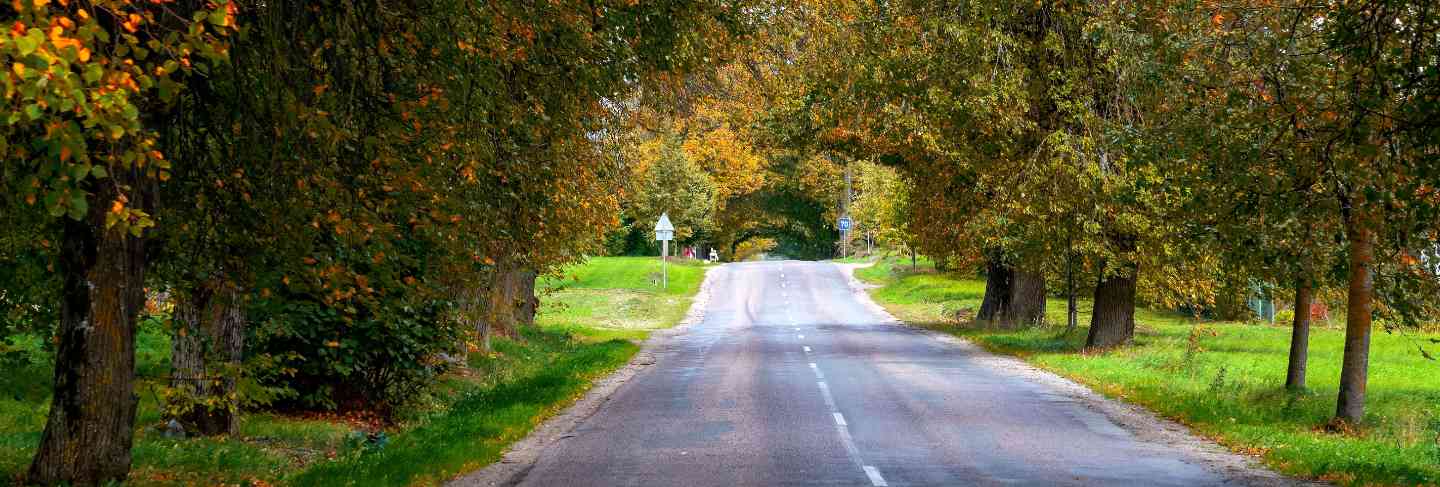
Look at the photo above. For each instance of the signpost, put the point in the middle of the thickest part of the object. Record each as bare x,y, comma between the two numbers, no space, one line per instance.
844,226
664,232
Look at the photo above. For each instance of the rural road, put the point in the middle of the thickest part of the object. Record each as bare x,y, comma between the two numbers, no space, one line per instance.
792,378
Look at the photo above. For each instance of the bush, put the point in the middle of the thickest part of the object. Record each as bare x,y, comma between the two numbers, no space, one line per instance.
1285,317
375,358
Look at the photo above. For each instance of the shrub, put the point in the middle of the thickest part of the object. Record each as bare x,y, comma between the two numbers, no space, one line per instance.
373,356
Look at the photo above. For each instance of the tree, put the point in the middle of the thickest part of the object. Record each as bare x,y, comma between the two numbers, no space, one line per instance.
85,76
669,181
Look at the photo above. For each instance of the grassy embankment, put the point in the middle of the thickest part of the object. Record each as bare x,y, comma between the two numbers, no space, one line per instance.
1224,379
587,325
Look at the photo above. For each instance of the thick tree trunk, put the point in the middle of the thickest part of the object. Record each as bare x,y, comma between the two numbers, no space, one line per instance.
91,423
472,299
1299,337
1027,300
999,279
1113,320
1355,364
1013,297
501,305
206,350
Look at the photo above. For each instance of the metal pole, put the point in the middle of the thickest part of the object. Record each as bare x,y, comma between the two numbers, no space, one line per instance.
845,208
664,264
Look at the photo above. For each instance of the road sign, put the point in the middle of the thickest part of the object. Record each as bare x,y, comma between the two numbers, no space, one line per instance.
843,224
664,230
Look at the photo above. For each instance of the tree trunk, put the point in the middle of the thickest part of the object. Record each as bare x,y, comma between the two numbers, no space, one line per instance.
206,350
1299,337
1027,300
525,291
91,422
913,263
1355,364
1072,310
472,299
1113,320
1013,298
501,306
999,279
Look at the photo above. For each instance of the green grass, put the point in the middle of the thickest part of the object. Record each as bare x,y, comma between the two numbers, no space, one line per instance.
587,327
475,430
1227,386
632,273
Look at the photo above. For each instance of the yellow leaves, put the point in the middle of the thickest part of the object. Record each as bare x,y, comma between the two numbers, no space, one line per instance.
19,69
131,23
332,344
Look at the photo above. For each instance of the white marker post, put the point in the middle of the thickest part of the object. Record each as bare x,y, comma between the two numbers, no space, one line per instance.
664,232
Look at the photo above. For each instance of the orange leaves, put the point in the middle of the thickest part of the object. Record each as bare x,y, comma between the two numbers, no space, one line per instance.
131,23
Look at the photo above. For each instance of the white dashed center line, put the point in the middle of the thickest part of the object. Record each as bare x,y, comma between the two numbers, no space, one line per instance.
842,428
875,478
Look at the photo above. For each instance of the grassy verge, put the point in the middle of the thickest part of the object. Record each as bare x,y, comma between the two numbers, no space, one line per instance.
1223,379
587,328
619,297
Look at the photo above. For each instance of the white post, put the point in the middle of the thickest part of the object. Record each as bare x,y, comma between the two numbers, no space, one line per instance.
664,264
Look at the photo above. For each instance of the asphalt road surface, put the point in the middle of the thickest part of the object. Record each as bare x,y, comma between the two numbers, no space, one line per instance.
790,379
